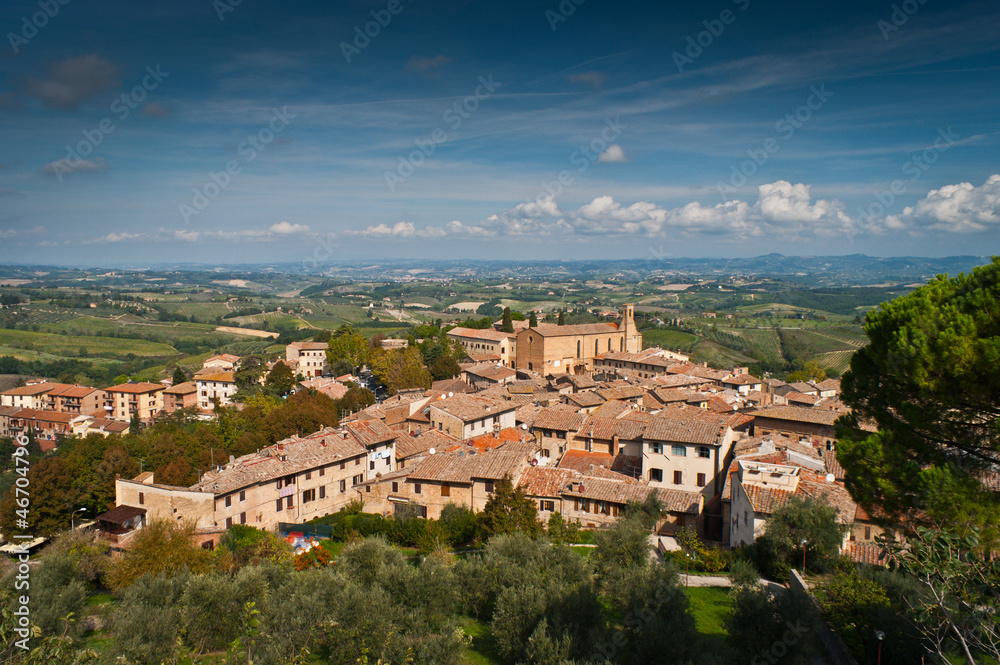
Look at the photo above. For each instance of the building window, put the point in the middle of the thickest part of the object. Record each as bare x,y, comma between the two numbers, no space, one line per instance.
322,471
417,489
243,495
277,506
357,461
678,451
596,351
395,487
358,479
548,506
868,533
489,487
322,491
678,477
371,465
704,451
288,502
701,480
142,498
342,466
656,475
309,475
308,495
656,448
446,490
229,501
278,484
229,522
343,486
578,347
243,518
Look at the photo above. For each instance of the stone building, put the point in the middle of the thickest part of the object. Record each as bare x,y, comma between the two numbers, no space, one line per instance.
551,349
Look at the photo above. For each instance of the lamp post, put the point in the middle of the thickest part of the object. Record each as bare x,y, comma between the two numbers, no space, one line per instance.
880,635
804,543
72,518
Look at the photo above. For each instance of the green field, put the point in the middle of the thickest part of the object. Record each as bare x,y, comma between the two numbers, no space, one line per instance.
710,607
86,347
669,339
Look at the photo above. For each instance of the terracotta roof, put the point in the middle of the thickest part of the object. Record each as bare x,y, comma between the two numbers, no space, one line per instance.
766,499
44,416
370,432
581,460
620,393
832,464
801,398
797,414
612,409
679,380
185,388
623,491
545,481
324,447
487,334
135,388
585,399
803,387
456,468
408,445
121,514
225,357
309,346
451,386
467,408
526,414
829,384
861,552
34,389
72,391
492,372
552,330
558,419
742,380
681,431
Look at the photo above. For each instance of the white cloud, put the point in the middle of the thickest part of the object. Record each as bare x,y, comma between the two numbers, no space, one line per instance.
64,166
960,208
285,228
115,237
613,154
74,80
187,236
415,64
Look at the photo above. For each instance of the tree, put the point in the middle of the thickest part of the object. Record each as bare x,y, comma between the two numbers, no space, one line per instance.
159,547
52,499
349,345
811,371
562,318
961,599
508,510
445,367
407,371
179,376
507,325
803,519
533,320
927,381
280,379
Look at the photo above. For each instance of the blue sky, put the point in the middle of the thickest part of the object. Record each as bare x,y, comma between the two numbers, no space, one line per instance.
265,131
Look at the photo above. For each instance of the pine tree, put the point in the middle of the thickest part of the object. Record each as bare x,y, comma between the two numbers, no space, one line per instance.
562,318
532,320
506,325
179,376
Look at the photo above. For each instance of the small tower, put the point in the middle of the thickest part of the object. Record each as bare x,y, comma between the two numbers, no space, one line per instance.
633,338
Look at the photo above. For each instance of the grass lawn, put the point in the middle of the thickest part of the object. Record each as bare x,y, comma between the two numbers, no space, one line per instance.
710,606
483,650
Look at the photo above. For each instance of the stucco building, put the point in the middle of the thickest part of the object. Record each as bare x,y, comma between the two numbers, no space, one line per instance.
553,349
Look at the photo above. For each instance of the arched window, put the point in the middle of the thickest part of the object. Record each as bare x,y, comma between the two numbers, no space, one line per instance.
609,344
530,366
578,348
621,344
595,347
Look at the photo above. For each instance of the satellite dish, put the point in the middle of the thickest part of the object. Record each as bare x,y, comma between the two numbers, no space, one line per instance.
830,477
524,426
451,394
431,451
534,462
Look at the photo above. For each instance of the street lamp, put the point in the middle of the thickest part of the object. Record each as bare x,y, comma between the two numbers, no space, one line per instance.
72,518
804,543
880,635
